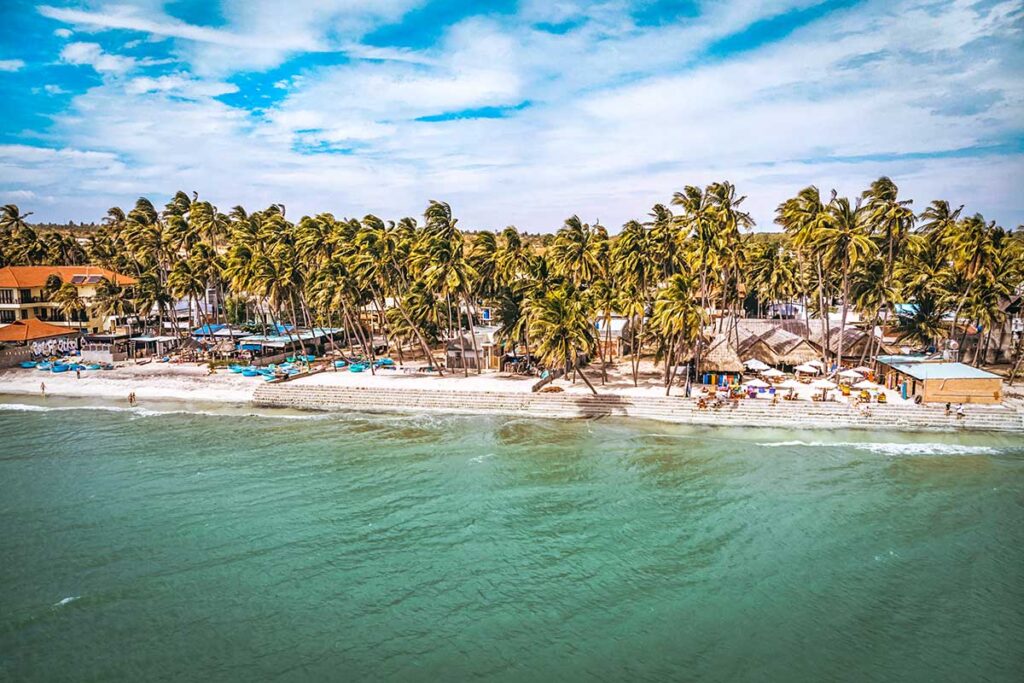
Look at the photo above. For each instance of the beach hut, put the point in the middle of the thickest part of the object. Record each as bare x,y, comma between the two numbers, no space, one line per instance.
720,364
611,335
487,354
789,349
940,382
752,347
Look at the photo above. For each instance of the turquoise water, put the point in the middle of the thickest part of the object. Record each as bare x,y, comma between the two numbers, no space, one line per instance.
163,545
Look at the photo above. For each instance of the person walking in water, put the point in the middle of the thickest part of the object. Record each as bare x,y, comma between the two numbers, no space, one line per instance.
131,399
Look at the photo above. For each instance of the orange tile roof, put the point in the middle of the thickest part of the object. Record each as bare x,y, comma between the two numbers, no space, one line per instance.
35,276
32,329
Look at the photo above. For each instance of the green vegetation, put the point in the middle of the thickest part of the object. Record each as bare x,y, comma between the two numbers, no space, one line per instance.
687,269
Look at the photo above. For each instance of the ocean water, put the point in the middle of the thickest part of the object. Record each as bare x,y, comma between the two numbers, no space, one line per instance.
184,543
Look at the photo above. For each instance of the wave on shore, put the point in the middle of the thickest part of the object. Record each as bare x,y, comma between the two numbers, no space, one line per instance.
891,448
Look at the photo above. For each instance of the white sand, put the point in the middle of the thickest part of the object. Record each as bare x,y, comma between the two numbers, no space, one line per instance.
185,382
190,382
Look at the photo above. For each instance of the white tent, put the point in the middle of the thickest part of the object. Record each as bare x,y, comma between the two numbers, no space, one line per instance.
807,369
851,374
756,365
816,363
789,384
865,384
757,384
823,384
863,369
773,373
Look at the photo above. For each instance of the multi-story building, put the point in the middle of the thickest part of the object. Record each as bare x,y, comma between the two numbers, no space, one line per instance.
23,295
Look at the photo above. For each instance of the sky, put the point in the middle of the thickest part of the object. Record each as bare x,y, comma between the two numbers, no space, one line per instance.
518,113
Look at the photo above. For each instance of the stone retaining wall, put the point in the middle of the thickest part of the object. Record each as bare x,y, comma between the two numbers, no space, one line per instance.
670,409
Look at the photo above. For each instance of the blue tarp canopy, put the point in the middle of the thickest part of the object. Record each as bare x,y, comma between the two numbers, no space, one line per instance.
207,330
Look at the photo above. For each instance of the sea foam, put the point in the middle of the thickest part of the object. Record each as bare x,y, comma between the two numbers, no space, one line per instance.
890,448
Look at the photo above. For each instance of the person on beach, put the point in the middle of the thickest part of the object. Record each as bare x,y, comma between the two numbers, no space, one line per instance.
131,399
78,374
948,409
960,411
42,389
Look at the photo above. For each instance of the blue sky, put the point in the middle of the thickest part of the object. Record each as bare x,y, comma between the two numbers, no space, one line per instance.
516,112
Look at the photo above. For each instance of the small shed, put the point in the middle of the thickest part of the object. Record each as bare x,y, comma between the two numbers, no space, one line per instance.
945,382
611,336
486,356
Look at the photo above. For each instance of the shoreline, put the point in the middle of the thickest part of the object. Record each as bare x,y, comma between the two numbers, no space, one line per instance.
228,393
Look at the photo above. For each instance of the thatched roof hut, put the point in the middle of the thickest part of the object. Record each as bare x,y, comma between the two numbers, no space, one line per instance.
790,349
754,346
720,356
854,342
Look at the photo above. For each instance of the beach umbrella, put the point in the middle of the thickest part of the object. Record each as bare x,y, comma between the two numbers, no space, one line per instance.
823,384
816,363
866,384
808,369
757,384
756,365
851,374
773,373
863,369
789,384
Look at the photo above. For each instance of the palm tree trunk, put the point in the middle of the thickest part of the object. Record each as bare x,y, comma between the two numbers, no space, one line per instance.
842,319
584,376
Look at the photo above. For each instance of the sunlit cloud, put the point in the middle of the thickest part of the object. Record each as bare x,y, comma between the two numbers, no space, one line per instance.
529,114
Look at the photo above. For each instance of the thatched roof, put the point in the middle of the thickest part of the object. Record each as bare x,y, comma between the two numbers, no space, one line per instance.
720,356
854,341
789,348
754,346
761,326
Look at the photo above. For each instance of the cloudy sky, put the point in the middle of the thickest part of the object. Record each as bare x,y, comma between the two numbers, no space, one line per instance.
516,112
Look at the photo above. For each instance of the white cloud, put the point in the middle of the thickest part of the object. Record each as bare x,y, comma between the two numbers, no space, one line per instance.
179,84
619,116
91,54
63,33
11,65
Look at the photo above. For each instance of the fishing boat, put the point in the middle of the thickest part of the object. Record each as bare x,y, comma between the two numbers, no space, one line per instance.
28,364
250,372
236,368
44,365
93,366
340,363
358,367
60,367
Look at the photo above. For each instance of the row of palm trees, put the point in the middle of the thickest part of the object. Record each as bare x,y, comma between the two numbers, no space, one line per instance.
687,272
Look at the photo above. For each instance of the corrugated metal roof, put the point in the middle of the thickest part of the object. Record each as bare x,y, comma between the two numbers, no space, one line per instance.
925,371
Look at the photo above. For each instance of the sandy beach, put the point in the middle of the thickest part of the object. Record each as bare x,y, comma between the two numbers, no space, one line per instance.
154,381
192,382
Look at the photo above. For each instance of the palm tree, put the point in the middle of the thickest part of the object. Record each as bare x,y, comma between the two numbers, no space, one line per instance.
845,243
678,319
68,302
562,325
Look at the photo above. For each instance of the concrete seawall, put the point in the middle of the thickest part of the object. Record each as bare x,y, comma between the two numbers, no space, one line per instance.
669,409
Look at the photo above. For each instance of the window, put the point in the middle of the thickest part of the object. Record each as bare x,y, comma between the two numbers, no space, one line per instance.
25,295
24,314
6,296
6,316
